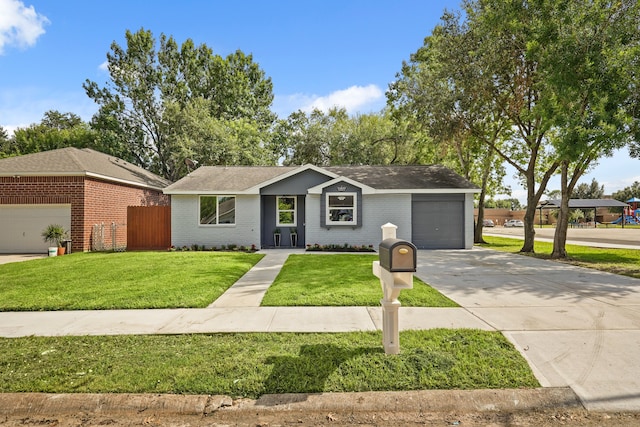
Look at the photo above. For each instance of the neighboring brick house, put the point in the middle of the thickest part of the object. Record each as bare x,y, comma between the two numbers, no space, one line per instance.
244,205
77,188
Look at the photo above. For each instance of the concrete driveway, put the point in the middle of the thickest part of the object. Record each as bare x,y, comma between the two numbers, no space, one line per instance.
576,327
7,258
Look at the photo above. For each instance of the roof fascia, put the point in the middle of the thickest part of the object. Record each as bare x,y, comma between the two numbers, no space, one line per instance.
318,188
256,188
429,191
86,174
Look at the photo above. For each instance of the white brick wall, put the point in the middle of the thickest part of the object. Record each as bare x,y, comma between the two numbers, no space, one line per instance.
468,226
186,230
377,210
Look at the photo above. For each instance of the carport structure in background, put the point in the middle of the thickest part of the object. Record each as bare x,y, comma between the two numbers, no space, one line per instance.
583,204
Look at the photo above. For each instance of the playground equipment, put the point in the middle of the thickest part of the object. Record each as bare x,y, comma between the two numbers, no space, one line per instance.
628,219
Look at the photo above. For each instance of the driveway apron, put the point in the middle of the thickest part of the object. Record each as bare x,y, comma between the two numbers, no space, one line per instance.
576,327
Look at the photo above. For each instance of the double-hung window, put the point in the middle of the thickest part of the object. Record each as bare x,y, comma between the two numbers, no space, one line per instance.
342,208
286,211
217,210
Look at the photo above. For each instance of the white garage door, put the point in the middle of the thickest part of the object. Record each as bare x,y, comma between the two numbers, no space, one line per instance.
21,226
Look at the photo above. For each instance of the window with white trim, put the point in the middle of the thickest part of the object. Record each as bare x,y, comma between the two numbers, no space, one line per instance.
342,208
217,210
286,211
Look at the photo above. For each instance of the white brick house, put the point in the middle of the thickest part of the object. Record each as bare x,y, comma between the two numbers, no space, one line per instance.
245,205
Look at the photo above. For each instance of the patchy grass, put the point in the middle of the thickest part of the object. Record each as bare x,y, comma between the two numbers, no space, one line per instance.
250,365
125,280
619,261
341,280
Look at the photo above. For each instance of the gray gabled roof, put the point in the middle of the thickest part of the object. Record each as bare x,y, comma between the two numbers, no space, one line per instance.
72,161
582,204
249,179
429,177
226,179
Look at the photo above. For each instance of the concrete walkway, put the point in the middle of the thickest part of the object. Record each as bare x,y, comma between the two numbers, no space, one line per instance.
576,327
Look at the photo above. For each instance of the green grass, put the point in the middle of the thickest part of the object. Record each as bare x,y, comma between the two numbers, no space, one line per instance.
129,280
254,364
619,261
341,280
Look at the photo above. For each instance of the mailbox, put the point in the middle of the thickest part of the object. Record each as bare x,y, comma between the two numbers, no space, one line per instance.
397,255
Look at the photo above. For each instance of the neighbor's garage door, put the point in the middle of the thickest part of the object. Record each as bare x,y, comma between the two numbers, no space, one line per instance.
437,221
21,226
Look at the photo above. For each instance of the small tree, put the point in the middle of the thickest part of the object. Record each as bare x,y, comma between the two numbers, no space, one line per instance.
55,234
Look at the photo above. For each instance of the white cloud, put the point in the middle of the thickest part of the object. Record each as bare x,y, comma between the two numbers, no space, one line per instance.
104,66
354,99
19,25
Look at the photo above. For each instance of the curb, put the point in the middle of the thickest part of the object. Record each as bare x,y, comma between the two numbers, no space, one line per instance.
501,400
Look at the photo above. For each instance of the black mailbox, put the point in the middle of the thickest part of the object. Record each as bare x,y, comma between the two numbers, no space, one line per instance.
398,255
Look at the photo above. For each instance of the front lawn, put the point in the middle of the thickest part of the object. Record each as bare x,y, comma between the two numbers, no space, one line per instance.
341,280
128,280
250,365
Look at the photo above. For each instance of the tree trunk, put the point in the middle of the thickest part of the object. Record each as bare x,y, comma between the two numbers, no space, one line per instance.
529,229
477,237
560,236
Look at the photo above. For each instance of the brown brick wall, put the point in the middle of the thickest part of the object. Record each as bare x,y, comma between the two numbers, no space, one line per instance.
92,201
107,203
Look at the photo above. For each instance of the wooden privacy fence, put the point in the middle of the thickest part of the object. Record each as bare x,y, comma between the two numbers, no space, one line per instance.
148,227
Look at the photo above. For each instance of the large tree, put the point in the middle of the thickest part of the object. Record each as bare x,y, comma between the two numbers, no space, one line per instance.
4,142
590,66
516,61
628,193
152,89
436,90
588,191
56,130
335,138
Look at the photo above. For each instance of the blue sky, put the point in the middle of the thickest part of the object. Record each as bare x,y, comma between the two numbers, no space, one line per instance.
317,53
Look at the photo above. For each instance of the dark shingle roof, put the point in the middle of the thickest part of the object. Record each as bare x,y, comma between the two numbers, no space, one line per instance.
226,178
72,161
583,203
404,177
234,179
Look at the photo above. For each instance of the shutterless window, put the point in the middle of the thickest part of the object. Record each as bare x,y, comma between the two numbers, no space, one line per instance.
286,211
215,210
341,208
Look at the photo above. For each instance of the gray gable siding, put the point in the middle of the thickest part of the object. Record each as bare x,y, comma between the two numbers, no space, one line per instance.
334,189
296,184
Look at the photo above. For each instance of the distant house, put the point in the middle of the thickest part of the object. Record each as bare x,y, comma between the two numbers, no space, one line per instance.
213,206
77,188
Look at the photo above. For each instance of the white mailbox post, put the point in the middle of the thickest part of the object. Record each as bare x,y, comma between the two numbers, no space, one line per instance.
395,268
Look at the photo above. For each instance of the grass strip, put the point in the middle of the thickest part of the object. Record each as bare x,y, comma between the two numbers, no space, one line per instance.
618,261
128,280
249,365
341,280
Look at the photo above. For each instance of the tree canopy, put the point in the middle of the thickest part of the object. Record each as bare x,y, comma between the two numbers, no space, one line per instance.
628,193
55,130
155,89
335,138
588,191
547,86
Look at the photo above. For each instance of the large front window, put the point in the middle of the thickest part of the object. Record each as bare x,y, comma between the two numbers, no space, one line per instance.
215,210
341,209
286,211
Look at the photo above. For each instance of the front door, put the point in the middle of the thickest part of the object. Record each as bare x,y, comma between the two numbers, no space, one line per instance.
283,221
